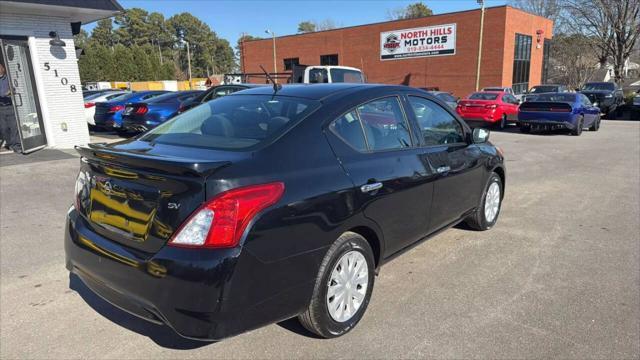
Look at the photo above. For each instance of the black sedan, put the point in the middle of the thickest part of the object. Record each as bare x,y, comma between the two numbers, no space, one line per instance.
213,93
265,205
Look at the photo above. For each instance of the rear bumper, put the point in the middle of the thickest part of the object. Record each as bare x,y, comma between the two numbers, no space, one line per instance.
489,117
545,123
200,294
107,121
135,125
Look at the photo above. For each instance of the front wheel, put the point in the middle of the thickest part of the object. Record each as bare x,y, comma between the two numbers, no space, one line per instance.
343,287
486,215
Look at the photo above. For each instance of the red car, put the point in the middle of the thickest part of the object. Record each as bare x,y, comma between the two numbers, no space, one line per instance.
489,107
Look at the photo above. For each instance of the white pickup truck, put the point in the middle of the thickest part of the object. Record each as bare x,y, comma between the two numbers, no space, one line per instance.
313,74
303,74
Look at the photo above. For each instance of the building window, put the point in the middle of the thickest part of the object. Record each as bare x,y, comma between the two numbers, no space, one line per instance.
290,62
329,59
521,63
546,53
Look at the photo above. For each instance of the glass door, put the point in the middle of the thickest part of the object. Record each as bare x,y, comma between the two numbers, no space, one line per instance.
24,98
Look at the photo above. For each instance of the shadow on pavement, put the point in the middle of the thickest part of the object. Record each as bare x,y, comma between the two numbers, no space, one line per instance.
294,326
160,334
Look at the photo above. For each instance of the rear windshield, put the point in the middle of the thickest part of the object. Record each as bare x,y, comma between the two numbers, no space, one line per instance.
543,89
599,86
557,97
483,96
233,122
346,76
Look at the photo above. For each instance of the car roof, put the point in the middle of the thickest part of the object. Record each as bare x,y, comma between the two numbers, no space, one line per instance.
316,91
248,85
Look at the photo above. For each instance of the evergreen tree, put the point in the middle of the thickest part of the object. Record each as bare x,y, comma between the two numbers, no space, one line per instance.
103,33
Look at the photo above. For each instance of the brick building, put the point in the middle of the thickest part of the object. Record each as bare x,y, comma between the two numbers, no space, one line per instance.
436,51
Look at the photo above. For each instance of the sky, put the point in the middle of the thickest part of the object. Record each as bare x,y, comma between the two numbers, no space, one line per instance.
231,18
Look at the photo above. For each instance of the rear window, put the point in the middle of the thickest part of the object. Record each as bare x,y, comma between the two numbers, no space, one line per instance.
233,122
557,97
346,76
483,96
543,89
446,97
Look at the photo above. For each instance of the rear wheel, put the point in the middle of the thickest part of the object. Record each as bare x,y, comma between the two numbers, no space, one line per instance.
578,129
486,215
343,287
596,125
503,122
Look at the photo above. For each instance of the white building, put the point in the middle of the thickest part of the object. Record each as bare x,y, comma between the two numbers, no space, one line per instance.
40,59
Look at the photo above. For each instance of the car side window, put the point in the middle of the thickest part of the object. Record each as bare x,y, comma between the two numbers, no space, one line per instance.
384,124
349,129
436,124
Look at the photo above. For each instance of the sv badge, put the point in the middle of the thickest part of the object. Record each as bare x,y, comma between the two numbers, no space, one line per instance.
173,206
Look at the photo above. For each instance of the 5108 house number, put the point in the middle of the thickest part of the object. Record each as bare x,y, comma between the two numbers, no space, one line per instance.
64,81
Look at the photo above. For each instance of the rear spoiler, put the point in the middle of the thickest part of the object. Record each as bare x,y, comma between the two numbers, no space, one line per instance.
158,163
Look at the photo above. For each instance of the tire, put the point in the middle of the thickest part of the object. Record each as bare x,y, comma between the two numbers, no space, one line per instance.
478,220
503,122
596,125
317,318
525,129
577,131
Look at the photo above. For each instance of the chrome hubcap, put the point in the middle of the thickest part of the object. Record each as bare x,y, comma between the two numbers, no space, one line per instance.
347,286
492,202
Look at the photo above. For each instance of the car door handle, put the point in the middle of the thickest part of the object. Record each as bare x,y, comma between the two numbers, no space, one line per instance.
443,169
367,188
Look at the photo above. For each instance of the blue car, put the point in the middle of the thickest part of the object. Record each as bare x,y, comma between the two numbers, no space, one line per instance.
109,114
551,111
144,115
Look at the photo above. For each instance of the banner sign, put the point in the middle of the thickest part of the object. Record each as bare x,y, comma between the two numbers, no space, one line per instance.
418,42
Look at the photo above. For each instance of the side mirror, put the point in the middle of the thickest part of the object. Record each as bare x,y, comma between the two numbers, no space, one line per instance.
480,135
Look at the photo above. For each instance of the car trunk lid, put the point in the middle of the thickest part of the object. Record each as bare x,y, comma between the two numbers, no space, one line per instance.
138,194
476,106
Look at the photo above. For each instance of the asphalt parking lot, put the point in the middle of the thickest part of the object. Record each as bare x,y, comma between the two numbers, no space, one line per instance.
559,275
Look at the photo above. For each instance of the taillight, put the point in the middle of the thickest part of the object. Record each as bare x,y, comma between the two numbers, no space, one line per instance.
221,221
492,106
142,110
559,109
89,104
116,108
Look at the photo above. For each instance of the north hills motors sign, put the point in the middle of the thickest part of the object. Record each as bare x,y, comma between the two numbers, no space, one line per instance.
418,42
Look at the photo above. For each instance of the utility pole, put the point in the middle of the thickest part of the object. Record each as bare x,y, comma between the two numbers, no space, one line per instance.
275,63
481,2
188,62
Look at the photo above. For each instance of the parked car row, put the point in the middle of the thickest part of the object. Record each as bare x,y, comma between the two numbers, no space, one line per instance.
544,107
135,112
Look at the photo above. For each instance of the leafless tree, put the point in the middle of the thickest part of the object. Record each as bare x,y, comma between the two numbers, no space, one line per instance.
612,25
570,63
550,9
